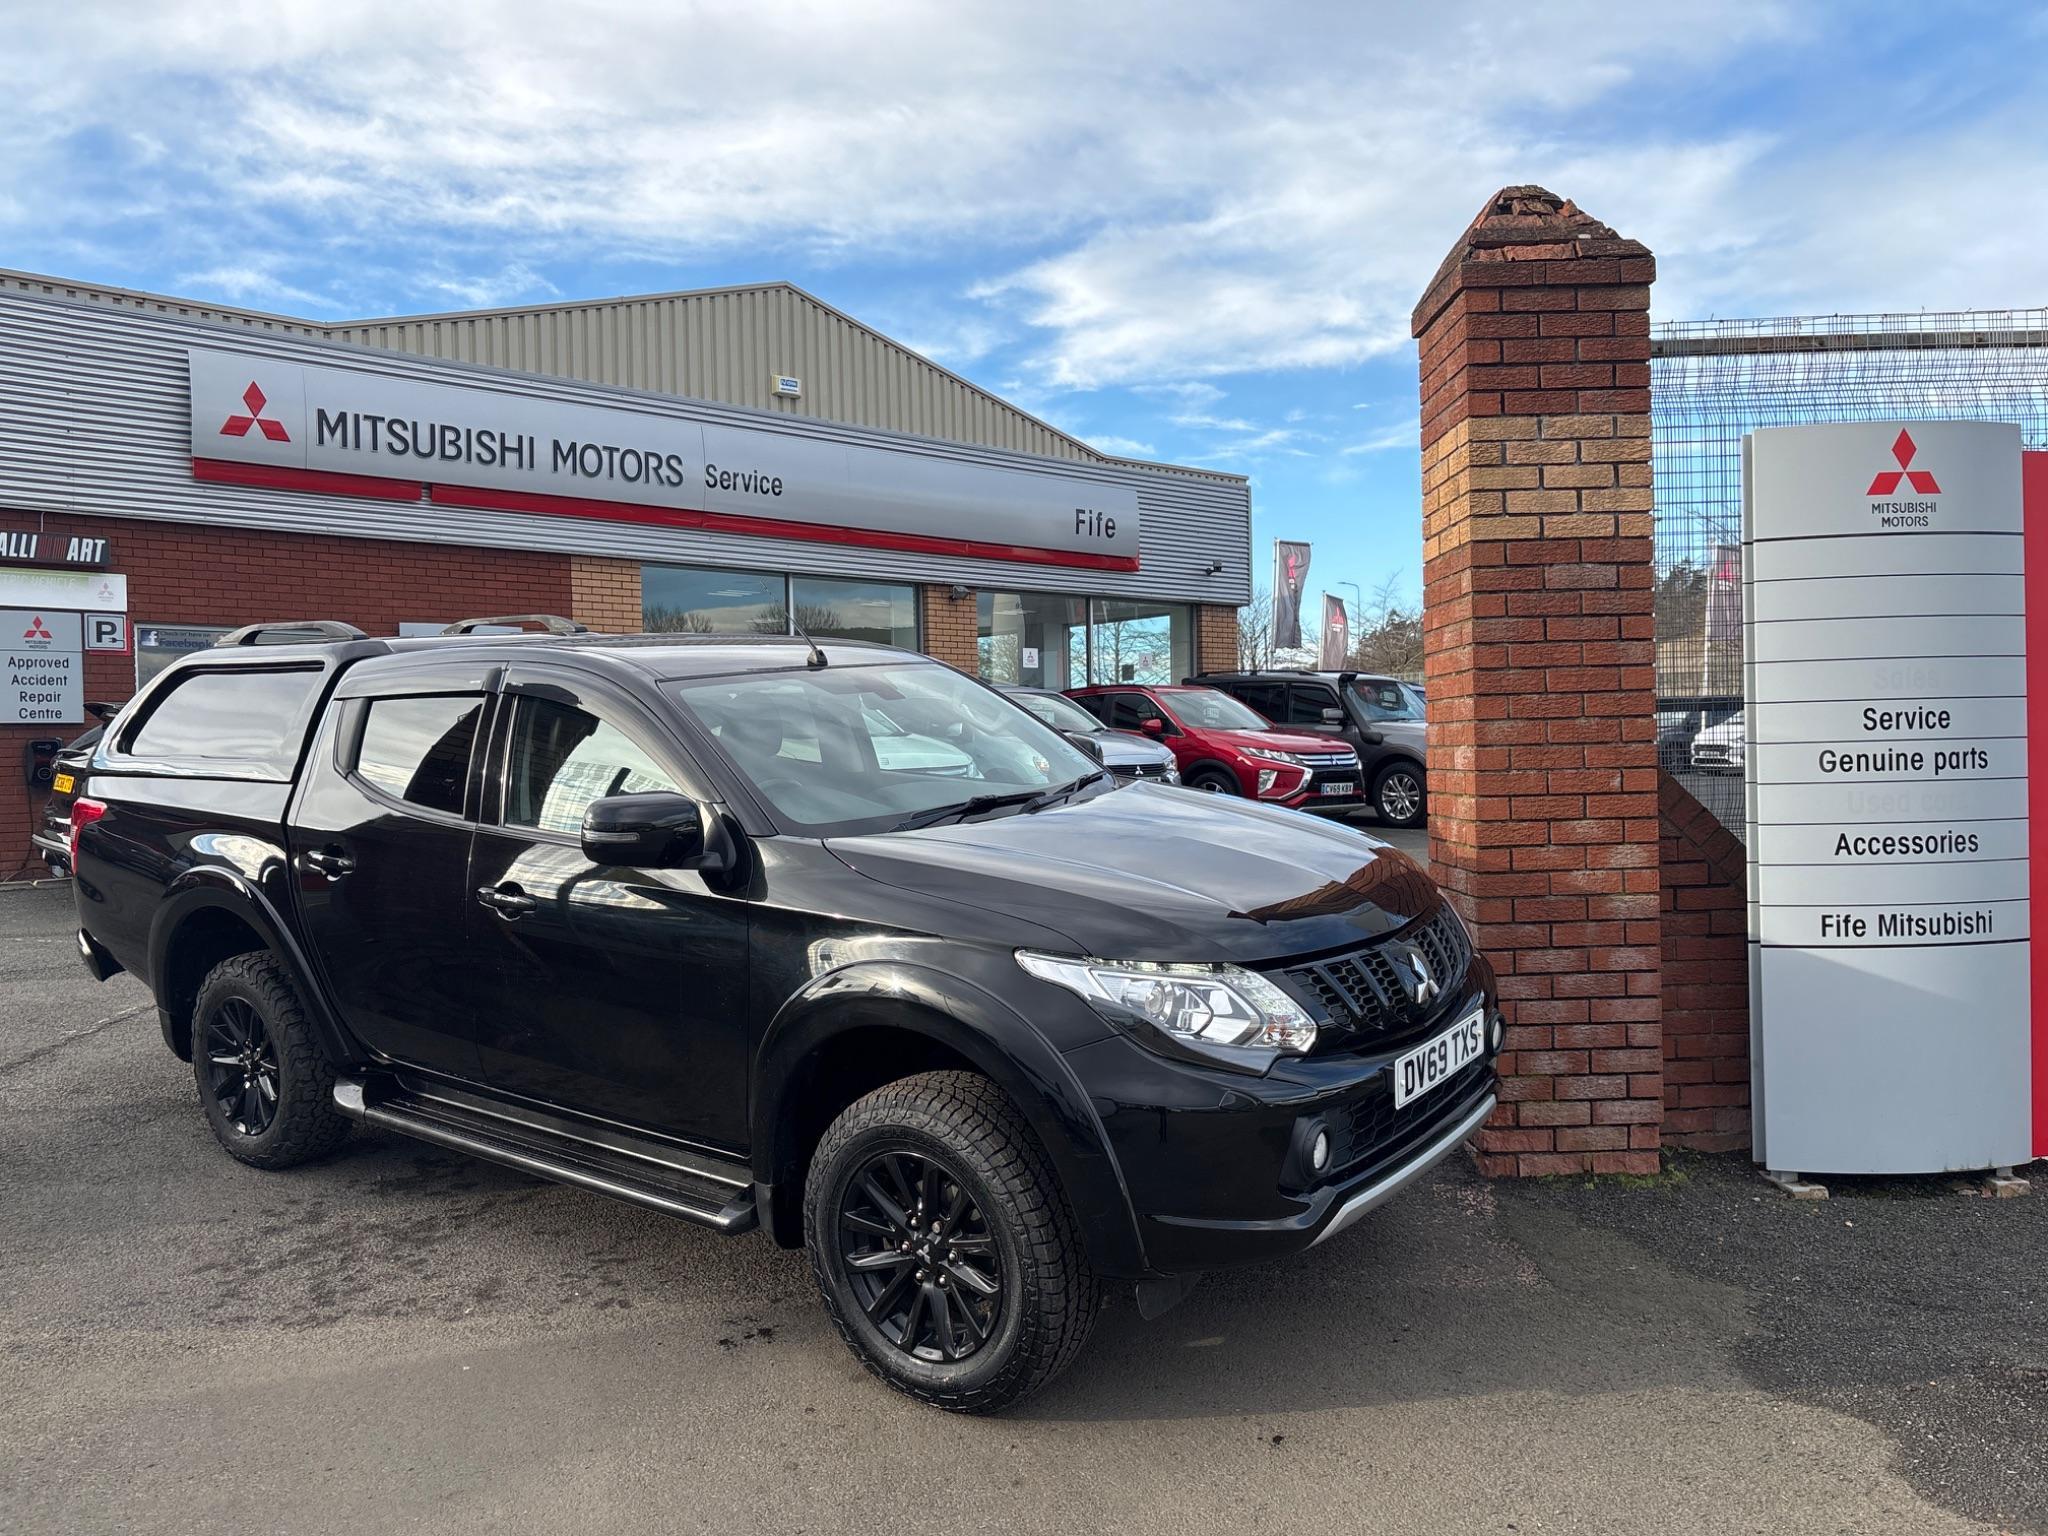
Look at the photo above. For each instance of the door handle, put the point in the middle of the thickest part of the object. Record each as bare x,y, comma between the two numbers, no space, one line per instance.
330,862
508,901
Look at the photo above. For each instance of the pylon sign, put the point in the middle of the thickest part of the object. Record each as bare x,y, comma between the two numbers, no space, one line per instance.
1884,616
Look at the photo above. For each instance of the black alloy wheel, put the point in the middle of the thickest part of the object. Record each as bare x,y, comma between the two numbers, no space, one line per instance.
241,1067
917,1252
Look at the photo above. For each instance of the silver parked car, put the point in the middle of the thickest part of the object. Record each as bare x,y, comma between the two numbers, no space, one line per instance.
1126,754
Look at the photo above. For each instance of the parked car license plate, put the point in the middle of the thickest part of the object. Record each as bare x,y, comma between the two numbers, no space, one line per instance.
63,783
1340,787
1434,1062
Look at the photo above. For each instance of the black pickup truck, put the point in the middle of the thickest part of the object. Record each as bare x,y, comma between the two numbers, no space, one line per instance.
721,926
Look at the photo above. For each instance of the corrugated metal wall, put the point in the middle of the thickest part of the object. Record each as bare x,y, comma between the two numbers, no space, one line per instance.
94,418
723,344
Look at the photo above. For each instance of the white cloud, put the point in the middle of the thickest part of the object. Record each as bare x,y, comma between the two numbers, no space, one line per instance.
1152,196
1122,447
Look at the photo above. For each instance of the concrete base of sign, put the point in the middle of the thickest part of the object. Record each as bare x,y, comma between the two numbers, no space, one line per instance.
1793,1185
2004,1184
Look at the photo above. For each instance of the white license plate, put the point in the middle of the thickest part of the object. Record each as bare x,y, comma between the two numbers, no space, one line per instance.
1340,787
1433,1062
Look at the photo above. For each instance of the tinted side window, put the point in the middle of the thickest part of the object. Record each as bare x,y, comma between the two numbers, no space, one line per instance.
1097,705
564,758
1307,702
418,748
220,713
1130,711
1269,699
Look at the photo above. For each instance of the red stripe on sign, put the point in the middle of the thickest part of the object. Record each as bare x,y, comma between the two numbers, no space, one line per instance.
278,477
771,527
2034,495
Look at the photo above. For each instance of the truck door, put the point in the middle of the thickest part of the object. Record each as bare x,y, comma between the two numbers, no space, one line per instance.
379,842
620,993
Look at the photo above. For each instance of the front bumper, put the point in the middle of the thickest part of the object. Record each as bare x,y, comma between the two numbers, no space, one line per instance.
1313,792
1215,1162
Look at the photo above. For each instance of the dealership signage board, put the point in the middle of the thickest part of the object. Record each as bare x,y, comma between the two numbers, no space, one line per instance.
1886,786
43,682
538,454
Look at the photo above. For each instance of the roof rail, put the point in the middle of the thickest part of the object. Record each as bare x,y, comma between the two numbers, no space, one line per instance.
547,621
305,629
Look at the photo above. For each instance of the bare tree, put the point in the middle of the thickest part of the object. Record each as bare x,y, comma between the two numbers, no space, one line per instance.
1255,649
1387,635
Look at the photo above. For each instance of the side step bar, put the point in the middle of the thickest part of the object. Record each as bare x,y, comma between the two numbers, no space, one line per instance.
709,1191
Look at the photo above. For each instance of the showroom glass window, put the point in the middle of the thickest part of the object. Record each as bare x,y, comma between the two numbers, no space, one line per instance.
1139,642
1059,640
700,601
1037,639
881,611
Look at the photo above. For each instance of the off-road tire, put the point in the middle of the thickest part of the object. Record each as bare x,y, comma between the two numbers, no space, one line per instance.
1419,809
306,1123
1051,1296
1217,781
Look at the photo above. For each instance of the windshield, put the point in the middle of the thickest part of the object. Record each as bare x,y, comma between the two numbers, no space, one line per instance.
1061,714
861,749
1208,709
1385,699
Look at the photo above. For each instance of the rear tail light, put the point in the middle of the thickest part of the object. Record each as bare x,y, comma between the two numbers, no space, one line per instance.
84,813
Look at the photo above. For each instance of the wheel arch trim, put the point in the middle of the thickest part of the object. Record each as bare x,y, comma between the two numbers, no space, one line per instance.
991,1037
213,888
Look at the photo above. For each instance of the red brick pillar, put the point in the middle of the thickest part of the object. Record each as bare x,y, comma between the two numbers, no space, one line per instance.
1540,662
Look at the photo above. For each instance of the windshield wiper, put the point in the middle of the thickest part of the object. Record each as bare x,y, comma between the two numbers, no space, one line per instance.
972,806
1028,800
1059,792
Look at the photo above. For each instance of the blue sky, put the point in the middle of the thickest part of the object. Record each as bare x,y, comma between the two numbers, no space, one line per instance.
1186,231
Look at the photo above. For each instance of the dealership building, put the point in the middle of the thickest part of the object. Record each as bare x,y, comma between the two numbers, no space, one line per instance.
734,460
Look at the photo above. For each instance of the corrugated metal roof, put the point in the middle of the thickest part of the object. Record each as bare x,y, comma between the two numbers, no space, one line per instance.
719,344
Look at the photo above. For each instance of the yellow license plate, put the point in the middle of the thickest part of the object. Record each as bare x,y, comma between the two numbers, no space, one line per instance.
63,783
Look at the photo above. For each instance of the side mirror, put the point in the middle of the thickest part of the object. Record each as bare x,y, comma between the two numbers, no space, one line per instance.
653,831
1085,742
1153,726
1333,716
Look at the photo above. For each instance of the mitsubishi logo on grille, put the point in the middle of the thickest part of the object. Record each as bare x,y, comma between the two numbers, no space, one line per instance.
1886,482
238,425
1425,983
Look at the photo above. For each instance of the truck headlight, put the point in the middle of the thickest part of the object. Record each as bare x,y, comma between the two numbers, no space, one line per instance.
1218,1005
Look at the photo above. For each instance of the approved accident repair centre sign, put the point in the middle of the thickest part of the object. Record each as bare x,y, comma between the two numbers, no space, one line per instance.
43,680
1884,618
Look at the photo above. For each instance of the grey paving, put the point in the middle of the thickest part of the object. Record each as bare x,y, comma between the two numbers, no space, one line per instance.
401,1340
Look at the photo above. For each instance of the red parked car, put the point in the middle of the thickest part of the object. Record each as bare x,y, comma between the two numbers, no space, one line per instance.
1230,748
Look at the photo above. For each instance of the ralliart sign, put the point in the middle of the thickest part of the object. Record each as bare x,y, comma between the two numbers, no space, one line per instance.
1886,781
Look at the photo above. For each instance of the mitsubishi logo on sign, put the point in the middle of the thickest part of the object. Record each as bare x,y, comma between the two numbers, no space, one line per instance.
238,425
37,629
1886,482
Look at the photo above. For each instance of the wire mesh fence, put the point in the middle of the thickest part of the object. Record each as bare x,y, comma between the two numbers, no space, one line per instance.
1712,381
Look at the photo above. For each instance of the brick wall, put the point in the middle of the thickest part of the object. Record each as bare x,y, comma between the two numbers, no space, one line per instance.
181,574
1705,943
950,626
605,594
1539,657
1215,639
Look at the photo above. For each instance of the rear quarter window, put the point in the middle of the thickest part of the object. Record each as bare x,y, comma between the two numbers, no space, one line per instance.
227,714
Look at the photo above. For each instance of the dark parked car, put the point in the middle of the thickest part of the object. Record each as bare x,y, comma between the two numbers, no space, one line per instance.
52,836
1381,718
651,915
1126,754
1229,749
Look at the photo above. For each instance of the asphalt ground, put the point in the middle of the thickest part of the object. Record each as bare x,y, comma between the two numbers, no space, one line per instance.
399,1339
